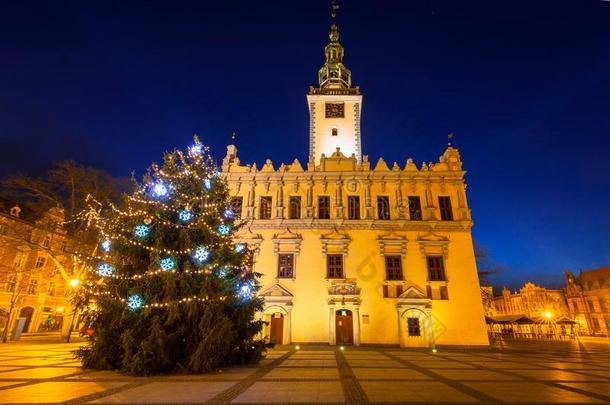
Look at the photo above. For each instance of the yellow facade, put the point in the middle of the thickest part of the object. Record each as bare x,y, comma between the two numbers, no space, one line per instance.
366,263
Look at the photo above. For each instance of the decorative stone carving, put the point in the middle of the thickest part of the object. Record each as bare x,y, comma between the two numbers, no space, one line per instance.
335,242
431,244
287,241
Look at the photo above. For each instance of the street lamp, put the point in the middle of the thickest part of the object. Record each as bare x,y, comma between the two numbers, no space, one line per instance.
73,283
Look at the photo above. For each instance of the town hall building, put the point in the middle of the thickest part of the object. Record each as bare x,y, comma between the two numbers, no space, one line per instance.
356,252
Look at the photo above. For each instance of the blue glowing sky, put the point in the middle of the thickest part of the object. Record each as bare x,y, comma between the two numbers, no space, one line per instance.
524,85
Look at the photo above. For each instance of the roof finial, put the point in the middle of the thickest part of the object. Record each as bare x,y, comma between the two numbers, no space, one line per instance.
334,7
233,137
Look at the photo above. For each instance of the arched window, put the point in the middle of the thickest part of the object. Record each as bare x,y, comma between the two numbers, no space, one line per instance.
335,132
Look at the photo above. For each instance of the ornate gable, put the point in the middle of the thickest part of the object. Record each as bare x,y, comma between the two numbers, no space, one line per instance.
335,242
433,244
287,241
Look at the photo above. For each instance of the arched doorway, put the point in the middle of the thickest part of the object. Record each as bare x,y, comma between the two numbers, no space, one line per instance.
276,332
344,327
26,312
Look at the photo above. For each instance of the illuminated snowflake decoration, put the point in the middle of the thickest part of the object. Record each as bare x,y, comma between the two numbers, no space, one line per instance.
245,291
240,247
224,229
200,255
207,184
222,272
160,189
228,213
195,150
185,216
135,302
105,269
106,245
141,231
167,263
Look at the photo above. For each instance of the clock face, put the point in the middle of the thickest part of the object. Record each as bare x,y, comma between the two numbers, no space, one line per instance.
335,110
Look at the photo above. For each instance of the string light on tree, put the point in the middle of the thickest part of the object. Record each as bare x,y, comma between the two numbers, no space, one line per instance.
195,150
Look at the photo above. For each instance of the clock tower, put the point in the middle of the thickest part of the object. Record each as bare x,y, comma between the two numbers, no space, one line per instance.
334,107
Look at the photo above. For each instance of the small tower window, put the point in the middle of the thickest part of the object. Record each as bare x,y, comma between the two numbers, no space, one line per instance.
335,132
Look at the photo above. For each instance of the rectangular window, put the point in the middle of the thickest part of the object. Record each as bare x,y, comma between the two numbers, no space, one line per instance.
51,289
415,208
265,208
285,265
444,292
324,207
33,287
413,327
334,266
47,241
393,267
236,206
353,207
436,268
444,204
64,245
18,260
383,207
40,261
295,207
11,283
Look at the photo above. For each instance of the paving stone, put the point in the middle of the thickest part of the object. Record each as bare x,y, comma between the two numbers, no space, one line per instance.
371,373
595,387
374,363
555,375
164,392
407,391
40,372
308,363
52,392
292,392
529,392
470,375
304,373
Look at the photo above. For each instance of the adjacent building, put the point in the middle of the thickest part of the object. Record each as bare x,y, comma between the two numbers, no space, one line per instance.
35,272
588,297
354,251
532,301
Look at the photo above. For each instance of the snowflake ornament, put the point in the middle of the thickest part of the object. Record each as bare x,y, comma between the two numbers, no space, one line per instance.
228,213
106,245
167,263
200,255
185,216
195,150
207,184
135,302
245,291
224,229
160,190
105,269
141,231
240,247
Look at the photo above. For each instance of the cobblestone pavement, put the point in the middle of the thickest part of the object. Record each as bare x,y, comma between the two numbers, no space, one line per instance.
533,372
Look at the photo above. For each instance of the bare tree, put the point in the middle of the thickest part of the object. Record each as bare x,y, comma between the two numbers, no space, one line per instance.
486,266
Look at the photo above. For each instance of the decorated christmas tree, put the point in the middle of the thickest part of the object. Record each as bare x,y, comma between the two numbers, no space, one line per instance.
168,289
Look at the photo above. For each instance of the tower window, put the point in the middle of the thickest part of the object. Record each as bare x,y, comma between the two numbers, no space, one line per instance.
393,267
445,207
235,205
436,268
335,132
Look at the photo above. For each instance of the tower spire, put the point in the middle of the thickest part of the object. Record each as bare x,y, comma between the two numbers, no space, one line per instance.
334,77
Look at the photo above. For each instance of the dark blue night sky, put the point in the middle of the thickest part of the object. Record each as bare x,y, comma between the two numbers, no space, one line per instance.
524,85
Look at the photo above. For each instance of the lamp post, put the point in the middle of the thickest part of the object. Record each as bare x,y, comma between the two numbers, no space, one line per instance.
73,284
549,316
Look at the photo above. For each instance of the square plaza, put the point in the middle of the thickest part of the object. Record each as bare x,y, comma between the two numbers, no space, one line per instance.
511,372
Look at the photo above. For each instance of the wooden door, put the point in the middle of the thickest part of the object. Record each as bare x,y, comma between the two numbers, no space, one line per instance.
277,329
344,327
26,312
